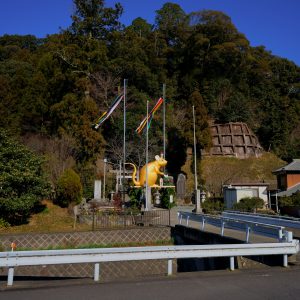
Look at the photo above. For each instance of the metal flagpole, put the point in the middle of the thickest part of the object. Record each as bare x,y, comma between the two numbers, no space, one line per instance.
124,140
164,118
197,192
195,155
147,194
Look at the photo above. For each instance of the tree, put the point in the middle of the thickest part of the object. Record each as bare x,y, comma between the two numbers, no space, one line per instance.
171,21
141,27
94,20
176,151
203,136
22,181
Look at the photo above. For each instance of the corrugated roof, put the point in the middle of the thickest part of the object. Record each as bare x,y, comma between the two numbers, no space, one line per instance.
290,191
293,166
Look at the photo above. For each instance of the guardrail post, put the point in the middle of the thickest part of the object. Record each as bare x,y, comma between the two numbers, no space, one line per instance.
96,272
203,223
187,221
231,263
170,267
247,233
10,277
222,228
180,219
285,260
288,236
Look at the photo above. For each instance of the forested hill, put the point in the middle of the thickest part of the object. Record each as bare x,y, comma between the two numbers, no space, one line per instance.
52,90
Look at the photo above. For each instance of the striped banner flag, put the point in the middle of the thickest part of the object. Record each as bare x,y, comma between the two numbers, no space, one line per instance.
149,118
107,113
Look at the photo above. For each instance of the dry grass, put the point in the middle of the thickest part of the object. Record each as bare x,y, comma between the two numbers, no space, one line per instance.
52,219
225,170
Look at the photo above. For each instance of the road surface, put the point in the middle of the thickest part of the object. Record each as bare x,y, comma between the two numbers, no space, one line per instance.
272,283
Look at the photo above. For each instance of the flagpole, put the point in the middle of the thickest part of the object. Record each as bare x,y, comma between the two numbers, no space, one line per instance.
197,191
124,140
147,132
195,156
164,118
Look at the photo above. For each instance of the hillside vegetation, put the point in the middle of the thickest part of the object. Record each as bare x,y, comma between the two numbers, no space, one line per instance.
217,171
54,89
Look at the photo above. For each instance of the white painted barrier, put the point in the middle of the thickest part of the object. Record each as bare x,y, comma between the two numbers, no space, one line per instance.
11,260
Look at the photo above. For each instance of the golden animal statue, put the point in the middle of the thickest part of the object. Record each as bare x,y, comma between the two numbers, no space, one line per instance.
153,172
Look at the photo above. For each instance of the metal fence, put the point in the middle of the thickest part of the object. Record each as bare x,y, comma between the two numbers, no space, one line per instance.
121,219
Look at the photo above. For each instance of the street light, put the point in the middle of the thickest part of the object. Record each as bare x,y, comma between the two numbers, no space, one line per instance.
105,161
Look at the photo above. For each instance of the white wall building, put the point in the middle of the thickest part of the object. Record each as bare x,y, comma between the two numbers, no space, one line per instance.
233,193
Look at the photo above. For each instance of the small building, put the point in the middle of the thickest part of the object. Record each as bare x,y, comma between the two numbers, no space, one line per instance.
288,179
233,193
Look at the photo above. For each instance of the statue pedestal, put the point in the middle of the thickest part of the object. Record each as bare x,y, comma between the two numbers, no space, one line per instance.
198,208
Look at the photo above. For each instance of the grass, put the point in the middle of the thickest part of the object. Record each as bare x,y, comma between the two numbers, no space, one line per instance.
111,245
52,219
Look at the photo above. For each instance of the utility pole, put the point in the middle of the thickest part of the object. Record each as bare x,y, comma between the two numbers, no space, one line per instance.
197,192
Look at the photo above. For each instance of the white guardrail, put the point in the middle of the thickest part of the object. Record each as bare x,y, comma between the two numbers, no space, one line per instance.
14,259
273,220
256,227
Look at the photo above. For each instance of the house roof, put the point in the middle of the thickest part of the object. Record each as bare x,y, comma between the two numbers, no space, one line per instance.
246,184
292,167
289,192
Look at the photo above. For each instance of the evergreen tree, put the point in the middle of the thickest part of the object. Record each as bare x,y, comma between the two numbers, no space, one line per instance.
22,181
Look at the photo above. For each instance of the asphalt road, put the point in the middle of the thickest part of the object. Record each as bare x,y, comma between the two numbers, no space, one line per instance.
272,283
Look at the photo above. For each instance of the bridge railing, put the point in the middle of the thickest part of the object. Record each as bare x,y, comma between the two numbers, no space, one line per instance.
272,220
11,260
223,222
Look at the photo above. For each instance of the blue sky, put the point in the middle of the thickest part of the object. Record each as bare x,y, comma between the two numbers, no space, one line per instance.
272,23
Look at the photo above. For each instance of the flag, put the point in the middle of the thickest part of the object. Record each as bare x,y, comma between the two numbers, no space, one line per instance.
107,113
150,116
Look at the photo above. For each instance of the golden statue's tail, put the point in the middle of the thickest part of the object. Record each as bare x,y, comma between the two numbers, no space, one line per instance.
136,183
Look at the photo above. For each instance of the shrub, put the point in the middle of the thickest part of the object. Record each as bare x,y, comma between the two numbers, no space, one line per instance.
136,195
293,200
249,204
211,206
165,197
117,200
68,189
3,224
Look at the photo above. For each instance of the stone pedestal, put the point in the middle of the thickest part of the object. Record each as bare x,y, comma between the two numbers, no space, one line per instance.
97,190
